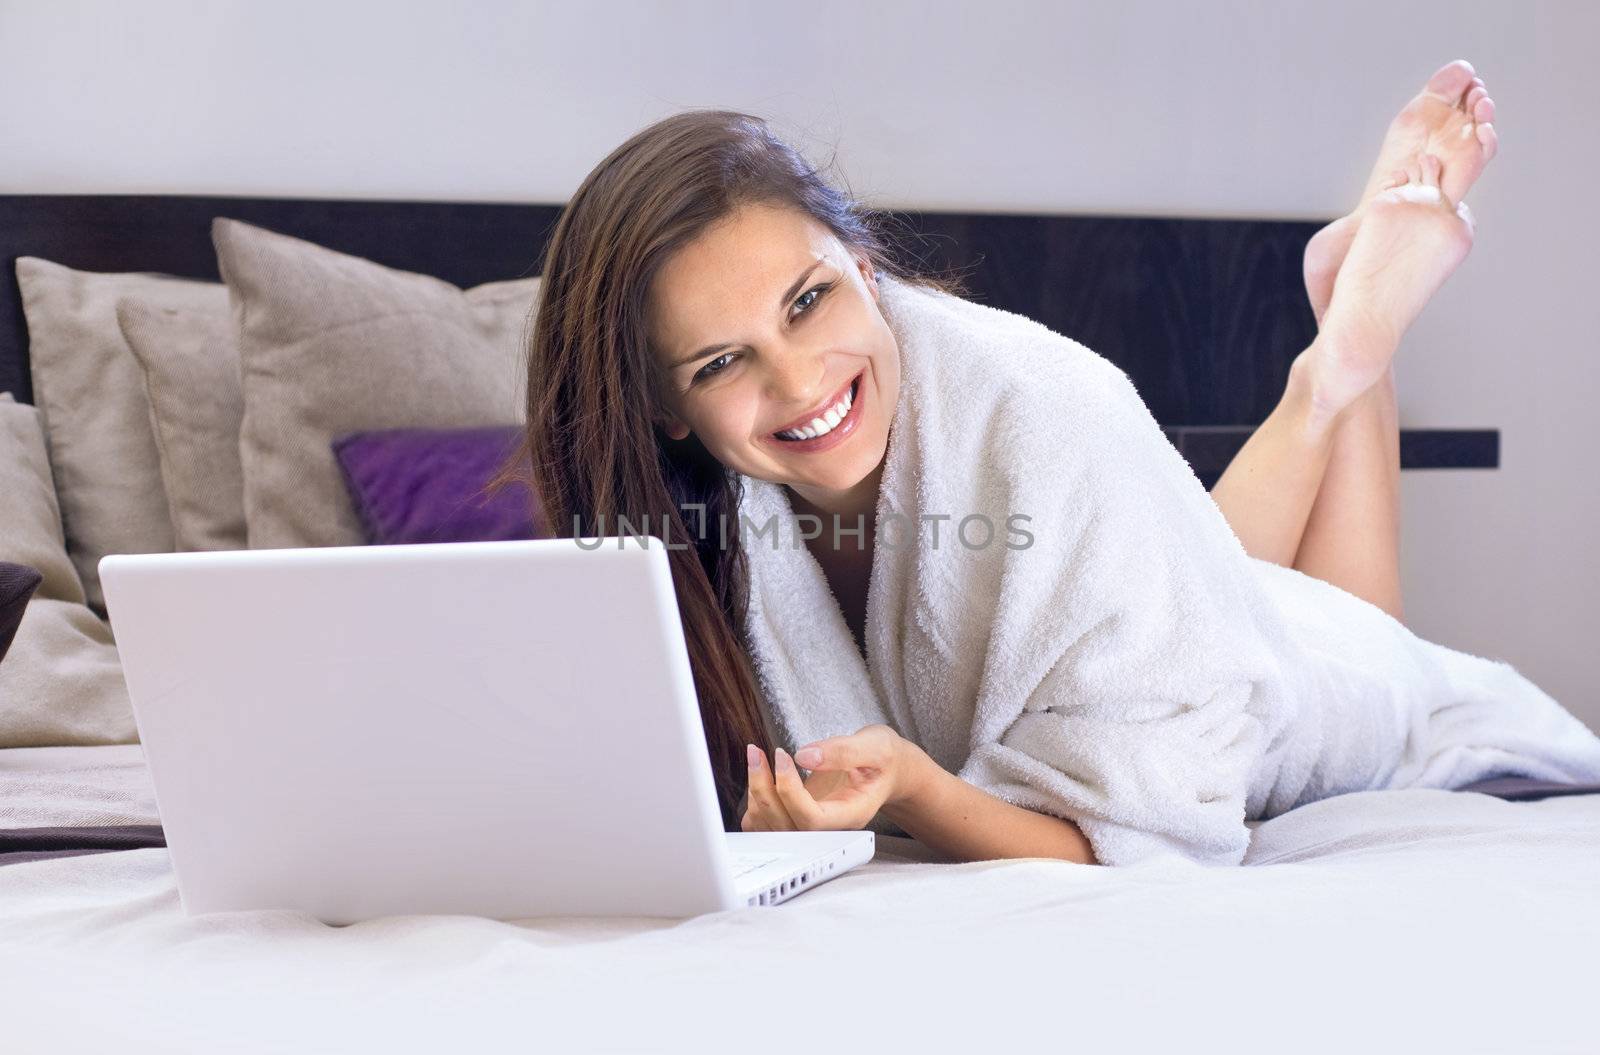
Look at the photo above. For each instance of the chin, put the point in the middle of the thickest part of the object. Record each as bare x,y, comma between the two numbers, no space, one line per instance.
845,473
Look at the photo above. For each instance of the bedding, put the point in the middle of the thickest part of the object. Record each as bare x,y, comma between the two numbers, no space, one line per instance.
97,416
430,485
61,682
22,845
332,344
30,518
1398,920
189,361
1522,789
1411,920
17,583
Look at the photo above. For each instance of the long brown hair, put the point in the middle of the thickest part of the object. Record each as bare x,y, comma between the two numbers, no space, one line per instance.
592,451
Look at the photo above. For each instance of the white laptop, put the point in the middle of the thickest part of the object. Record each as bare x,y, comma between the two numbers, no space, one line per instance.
504,729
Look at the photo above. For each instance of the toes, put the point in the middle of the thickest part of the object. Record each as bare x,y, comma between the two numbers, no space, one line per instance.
1397,178
1477,104
1451,81
1414,171
1489,139
1475,91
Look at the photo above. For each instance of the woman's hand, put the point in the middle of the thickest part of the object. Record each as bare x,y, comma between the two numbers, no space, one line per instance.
852,777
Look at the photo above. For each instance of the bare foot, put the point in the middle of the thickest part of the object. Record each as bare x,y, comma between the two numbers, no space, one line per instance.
1410,239
1324,253
1452,118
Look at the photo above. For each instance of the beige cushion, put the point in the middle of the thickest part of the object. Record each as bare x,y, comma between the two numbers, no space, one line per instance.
61,682
97,417
30,521
332,344
189,359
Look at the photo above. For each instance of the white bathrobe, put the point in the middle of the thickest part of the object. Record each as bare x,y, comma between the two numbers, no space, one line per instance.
1124,664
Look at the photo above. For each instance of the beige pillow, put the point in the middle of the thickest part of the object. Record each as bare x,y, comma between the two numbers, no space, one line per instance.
97,418
190,363
61,681
332,344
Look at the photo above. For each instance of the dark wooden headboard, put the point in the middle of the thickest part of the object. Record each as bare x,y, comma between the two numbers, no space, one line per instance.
1204,315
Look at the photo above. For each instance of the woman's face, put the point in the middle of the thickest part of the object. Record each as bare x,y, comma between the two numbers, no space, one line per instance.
763,324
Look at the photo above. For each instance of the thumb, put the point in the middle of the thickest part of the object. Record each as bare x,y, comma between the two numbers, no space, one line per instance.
836,752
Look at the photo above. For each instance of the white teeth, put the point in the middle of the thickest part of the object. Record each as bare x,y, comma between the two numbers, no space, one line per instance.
823,425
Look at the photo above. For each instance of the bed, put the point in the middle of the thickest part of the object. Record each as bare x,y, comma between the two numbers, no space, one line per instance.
1414,920
1418,920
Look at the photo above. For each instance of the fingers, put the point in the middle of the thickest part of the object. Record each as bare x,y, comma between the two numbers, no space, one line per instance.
824,801
1430,170
765,812
865,748
823,785
797,801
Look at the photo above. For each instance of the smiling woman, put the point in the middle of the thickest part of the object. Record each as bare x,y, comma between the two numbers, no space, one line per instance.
710,308
720,331
808,373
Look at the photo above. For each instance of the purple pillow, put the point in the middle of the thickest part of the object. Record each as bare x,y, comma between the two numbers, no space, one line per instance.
427,485
17,583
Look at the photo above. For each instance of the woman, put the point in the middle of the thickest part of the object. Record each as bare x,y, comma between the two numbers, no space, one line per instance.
711,313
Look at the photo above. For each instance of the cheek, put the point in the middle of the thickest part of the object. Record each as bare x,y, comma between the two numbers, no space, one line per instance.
729,417
886,362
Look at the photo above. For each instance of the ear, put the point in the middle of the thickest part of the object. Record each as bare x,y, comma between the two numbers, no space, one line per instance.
675,429
868,275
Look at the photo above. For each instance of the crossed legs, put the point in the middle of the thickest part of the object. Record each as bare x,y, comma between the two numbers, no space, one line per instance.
1323,496
1317,486
1352,536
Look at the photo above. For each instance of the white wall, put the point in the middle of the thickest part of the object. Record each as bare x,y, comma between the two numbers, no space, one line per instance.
1271,110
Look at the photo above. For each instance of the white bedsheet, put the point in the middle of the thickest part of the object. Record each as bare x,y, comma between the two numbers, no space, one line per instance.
1408,920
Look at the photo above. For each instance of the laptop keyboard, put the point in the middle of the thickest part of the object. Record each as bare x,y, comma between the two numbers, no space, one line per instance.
745,863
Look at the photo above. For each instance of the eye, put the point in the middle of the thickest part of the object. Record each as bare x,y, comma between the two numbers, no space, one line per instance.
711,369
809,304
707,371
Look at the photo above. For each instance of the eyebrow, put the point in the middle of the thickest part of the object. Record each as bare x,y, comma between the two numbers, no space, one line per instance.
788,295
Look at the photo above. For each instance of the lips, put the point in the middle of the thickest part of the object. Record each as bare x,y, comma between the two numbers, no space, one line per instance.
804,420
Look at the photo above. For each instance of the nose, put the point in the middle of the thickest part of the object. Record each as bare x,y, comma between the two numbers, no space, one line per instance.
797,379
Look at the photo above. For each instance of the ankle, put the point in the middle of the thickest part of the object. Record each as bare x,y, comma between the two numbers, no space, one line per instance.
1305,399
1351,352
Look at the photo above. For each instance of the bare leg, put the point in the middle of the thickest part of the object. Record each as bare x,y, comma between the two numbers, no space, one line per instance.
1323,499
1326,462
1322,489
1352,537
1268,491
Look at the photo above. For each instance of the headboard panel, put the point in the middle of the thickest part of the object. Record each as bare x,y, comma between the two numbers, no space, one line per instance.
1204,315
463,243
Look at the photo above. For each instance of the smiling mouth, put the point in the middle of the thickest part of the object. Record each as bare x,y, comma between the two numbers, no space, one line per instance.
825,423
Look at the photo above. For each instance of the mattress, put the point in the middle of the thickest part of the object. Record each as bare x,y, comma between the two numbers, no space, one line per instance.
1408,920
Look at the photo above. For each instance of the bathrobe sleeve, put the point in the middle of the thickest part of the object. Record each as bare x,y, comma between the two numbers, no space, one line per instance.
1128,684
